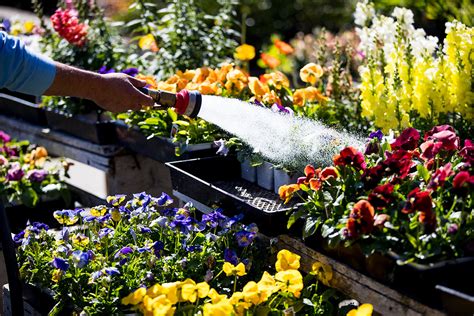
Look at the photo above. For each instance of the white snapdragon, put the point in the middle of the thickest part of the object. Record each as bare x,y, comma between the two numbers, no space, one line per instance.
404,17
364,12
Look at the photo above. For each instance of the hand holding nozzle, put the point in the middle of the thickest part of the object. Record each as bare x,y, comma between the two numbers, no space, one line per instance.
184,102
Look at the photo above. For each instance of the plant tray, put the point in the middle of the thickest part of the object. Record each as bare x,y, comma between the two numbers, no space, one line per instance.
19,215
83,127
216,182
22,107
158,148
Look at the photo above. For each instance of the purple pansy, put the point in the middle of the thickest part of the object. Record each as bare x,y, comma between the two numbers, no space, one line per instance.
231,256
222,148
4,137
104,70
164,199
7,25
15,173
80,258
377,134
106,232
132,71
112,271
123,252
36,175
244,238
60,264
277,108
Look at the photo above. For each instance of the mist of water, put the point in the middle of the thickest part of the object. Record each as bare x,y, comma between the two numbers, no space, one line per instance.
281,138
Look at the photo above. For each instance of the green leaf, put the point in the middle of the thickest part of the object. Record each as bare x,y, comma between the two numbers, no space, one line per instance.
173,115
152,121
294,217
423,172
29,197
310,227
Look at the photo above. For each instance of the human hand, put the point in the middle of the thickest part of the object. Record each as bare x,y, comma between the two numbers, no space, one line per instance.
117,92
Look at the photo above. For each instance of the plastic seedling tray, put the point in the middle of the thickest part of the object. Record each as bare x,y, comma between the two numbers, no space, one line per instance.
83,126
217,182
21,106
158,148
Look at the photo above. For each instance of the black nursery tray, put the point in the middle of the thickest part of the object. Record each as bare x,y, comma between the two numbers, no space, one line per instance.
83,127
158,148
21,106
216,182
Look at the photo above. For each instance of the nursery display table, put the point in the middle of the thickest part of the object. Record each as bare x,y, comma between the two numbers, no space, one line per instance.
99,170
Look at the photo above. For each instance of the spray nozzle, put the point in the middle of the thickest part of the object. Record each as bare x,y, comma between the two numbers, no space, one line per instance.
184,102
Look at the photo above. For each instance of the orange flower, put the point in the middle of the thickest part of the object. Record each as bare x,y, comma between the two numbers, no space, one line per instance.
150,80
271,98
284,47
328,172
299,98
167,86
270,61
236,80
201,74
311,73
276,79
222,73
315,184
309,94
208,88
257,87
188,74
286,191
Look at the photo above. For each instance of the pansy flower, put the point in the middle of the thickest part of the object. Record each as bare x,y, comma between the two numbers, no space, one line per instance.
361,219
244,238
231,256
80,258
349,156
408,140
164,200
66,217
116,200
440,176
381,196
60,264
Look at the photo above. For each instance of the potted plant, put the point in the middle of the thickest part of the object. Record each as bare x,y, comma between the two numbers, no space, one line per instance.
30,181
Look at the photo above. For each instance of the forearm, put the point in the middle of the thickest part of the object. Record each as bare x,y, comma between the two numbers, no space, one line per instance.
74,82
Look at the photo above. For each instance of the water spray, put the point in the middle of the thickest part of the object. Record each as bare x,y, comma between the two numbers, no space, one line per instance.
184,102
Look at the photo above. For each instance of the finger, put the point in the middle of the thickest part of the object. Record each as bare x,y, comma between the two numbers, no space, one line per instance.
144,100
137,82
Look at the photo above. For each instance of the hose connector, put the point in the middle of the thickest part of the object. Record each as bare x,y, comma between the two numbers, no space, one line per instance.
184,102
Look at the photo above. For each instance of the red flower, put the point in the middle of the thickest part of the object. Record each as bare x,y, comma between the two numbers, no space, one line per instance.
361,219
350,156
429,219
381,196
67,25
418,201
328,172
309,173
407,140
372,176
398,162
467,152
444,140
437,129
463,179
440,176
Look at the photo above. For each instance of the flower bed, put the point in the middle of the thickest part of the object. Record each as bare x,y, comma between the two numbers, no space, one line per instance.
400,198
104,259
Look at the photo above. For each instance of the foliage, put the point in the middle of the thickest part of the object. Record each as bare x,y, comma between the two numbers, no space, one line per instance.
188,37
403,84
27,174
410,198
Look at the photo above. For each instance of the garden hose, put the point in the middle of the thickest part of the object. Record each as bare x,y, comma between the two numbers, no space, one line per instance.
184,102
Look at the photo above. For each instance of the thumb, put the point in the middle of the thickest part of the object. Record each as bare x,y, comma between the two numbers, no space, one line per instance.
144,99
137,82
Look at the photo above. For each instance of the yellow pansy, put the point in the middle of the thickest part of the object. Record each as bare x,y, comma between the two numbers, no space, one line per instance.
221,308
311,73
251,293
154,291
135,297
286,260
80,239
209,88
28,26
257,87
299,97
230,269
267,285
162,306
98,210
188,74
215,296
147,42
57,274
171,291
312,94
201,74
290,281
244,52
190,291
322,271
223,71
363,310
167,87
115,214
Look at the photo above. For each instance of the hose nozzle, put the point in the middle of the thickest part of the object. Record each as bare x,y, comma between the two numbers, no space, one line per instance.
184,102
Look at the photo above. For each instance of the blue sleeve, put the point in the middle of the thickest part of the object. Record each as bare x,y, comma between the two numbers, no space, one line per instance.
22,70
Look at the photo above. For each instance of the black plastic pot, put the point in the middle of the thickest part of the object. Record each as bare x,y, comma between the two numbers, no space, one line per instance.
457,302
21,106
86,127
19,215
216,182
158,148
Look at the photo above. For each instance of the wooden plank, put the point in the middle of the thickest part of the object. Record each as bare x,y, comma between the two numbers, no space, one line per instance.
356,285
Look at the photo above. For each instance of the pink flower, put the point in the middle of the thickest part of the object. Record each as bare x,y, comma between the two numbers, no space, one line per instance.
408,140
67,25
4,137
440,138
463,180
467,152
440,176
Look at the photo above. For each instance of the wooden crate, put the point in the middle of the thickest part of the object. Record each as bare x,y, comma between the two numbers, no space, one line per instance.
356,285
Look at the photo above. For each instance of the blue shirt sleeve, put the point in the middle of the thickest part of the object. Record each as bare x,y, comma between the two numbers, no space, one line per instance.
22,70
